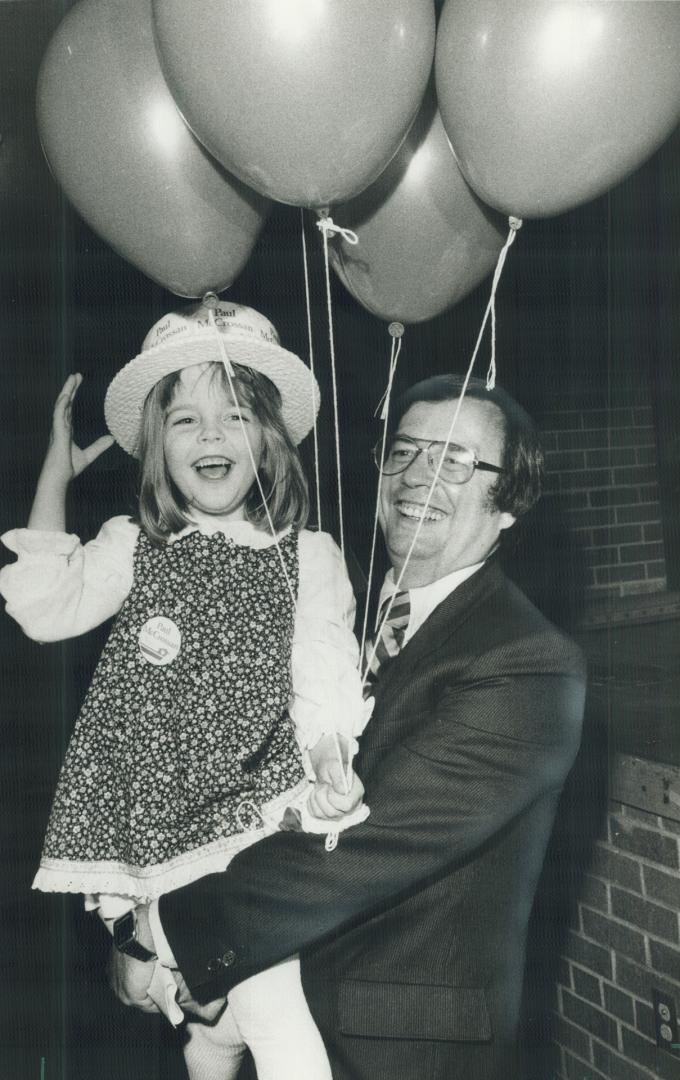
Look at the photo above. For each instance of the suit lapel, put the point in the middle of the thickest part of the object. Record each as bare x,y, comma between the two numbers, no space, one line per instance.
441,626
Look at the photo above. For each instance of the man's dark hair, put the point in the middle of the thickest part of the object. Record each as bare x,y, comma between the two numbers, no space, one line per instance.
519,486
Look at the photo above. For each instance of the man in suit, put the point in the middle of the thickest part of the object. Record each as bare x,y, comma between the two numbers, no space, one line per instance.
412,932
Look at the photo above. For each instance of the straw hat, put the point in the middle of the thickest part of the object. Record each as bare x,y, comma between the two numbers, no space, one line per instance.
199,334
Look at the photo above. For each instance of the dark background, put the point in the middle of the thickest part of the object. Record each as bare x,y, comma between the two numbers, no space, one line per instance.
587,308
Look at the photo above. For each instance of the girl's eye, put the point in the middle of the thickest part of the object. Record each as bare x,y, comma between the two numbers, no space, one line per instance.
182,420
234,418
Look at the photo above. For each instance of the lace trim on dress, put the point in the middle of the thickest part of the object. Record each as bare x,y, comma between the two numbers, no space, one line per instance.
146,883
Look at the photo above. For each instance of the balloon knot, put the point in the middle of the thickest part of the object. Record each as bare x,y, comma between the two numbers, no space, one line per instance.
329,228
211,300
515,223
396,329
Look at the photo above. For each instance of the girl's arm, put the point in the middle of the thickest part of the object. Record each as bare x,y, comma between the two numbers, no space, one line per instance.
63,462
57,588
327,709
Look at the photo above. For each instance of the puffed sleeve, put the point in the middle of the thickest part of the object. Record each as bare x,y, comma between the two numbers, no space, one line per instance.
326,681
59,588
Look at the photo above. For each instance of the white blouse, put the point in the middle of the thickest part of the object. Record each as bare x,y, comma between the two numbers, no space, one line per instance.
59,588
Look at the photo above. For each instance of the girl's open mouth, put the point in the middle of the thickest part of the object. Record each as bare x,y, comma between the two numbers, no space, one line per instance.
213,468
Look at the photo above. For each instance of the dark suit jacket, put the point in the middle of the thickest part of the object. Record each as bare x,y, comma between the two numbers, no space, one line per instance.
413,930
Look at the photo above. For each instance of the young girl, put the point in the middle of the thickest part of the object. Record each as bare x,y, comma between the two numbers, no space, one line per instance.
230,661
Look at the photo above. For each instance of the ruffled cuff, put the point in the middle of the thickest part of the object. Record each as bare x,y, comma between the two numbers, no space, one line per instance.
313,735
312,720
30,543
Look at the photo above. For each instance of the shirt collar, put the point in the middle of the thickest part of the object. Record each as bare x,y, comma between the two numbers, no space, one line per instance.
243,532
425,598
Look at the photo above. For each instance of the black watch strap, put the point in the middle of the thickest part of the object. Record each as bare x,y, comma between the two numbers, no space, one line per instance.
125,938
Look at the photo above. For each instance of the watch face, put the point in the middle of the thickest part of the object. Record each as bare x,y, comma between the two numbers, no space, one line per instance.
124,930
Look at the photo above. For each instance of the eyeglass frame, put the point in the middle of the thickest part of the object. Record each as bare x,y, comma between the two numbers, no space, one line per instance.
477,463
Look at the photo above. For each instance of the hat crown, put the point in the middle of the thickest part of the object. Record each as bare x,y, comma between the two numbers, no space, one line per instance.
232,320
209,333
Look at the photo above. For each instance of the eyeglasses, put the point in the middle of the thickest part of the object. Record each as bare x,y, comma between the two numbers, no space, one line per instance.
457,463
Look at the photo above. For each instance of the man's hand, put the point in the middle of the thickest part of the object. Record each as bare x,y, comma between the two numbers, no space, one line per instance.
130,980
207,1013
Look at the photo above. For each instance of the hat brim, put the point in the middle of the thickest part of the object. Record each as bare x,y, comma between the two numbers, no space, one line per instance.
128,390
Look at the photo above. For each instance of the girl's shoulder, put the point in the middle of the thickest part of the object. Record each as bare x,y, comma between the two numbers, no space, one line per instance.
319,546
116,540
120,529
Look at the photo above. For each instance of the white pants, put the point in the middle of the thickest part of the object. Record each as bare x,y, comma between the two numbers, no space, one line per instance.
269,1014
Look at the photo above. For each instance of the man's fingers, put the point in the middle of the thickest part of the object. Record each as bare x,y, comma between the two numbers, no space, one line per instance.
208,1012
145,1005
130,980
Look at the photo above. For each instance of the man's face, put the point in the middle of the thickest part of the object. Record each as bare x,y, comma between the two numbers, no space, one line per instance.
461,526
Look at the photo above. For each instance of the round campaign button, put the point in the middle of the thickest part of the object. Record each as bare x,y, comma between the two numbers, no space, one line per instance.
159,640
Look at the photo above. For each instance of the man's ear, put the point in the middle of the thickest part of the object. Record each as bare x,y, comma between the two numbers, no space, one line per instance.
505,520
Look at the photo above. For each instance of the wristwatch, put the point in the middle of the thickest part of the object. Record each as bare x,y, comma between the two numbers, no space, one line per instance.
125,938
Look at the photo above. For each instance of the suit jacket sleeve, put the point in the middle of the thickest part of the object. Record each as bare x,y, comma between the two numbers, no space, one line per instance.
487,749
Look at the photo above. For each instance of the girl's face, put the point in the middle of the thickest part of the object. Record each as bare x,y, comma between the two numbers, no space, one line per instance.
205,451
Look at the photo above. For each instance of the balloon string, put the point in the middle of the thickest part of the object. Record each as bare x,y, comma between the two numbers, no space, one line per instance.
210,299
396,331
435,478
317,480
515,224
326,225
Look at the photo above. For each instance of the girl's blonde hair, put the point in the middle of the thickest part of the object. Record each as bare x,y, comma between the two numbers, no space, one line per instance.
162,508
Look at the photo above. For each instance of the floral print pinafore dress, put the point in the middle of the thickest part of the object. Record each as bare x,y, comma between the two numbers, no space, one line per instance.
184,733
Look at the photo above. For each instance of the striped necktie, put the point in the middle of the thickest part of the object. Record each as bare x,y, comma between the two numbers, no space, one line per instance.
391,637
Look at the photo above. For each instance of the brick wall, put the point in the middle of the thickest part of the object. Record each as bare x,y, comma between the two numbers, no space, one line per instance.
623,942
601,469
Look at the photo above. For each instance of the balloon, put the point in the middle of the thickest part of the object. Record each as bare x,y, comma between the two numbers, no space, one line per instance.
425,239
549,104
305,100
116,143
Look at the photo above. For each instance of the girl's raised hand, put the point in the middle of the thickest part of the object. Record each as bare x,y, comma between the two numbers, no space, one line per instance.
65,460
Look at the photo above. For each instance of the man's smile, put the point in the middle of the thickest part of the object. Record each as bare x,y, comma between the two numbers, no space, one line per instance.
415,510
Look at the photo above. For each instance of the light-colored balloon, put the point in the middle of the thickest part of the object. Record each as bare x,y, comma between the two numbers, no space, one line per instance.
118,146
305,100
548,104
425,239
